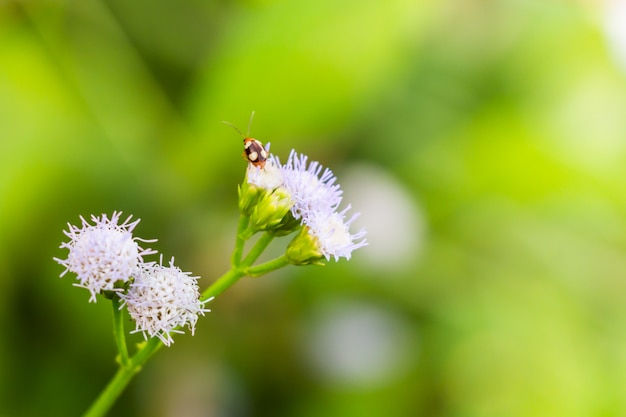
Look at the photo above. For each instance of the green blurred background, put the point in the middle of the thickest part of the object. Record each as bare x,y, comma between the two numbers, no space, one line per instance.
483,141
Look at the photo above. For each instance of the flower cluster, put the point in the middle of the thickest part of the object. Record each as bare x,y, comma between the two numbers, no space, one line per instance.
300,198
162,299
108,260
103,256
300,195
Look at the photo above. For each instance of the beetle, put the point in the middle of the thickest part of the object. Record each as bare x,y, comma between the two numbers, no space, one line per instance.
253,150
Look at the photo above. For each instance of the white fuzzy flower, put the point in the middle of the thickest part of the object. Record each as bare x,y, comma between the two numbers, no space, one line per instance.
162,299
104,254
316,197
313,196
269,177
310,191
332,233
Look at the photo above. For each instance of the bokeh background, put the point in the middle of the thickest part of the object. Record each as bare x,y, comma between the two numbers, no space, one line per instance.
483,142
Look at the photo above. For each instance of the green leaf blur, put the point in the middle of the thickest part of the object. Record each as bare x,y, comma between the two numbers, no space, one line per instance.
492,131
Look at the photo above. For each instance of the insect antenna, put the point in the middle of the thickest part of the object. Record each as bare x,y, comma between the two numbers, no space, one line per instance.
247,135
234,127
250,123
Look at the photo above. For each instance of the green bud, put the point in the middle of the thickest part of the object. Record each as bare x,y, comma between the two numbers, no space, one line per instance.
270,210
249,195
288,225
304,250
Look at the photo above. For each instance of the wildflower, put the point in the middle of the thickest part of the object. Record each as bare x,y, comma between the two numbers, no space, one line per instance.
259,182
309,191
162,299
265,200
267,177
325,235
316,197
300,194
103,256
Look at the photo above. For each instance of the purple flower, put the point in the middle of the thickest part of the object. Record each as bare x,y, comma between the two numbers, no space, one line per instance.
103,255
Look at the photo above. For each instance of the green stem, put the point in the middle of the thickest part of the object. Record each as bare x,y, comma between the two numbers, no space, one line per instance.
257,249
240,241
222,283
149,348
268,266
130,366
107,398
118,331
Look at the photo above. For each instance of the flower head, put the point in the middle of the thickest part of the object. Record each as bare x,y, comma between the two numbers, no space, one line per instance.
269,177
260,181
103,256
264,199
162,299
333,236
299,194
310,191
316,197
325,235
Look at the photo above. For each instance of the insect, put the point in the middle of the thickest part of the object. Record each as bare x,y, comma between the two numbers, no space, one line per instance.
253,149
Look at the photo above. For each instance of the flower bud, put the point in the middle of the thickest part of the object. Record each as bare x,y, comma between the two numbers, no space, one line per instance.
287,225
249,195
258,182
304,249
270,210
